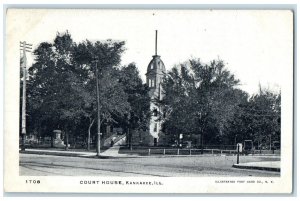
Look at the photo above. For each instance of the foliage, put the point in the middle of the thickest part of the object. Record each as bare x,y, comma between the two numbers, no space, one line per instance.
199,99
258,119
138,116
62,87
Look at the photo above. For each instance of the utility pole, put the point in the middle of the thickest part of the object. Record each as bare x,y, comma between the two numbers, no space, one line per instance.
98,107
25,48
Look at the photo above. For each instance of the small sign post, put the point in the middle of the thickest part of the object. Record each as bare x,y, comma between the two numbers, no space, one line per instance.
239,149
238,154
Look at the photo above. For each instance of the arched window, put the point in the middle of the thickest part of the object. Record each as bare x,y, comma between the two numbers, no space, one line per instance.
151,83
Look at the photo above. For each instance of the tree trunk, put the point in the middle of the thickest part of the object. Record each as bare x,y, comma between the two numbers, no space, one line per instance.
130,138
52,140
67,139
235,140
89,135
260,146
202,138
127,135
39,132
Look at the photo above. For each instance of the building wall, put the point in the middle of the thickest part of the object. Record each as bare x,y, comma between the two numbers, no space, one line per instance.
155,73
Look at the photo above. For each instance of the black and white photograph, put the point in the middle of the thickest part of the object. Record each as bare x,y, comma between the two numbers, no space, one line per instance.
101,100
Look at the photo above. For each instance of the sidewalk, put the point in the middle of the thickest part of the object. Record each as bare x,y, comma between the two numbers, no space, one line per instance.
262,165
59,152
109,153
113,152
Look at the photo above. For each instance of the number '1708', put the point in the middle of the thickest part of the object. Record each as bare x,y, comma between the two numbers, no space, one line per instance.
32,181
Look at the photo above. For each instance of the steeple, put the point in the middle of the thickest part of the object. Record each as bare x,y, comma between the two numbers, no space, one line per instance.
155,42
156,65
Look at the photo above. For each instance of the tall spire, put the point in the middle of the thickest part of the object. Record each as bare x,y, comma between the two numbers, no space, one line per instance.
155,42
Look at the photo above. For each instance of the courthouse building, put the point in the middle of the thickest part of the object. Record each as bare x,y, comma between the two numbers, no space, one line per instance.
155,72
154,77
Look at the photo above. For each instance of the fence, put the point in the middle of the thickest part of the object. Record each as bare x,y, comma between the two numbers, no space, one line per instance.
173,151
189,151
178,151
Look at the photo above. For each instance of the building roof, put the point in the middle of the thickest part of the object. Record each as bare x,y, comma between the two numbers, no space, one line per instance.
156,65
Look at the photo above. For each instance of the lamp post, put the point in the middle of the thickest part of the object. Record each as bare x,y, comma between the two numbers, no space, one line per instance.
98,107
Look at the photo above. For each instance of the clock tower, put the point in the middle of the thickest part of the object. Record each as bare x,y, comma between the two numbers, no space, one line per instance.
155,73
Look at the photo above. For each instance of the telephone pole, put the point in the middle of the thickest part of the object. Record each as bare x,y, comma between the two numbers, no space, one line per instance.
25,48
98,107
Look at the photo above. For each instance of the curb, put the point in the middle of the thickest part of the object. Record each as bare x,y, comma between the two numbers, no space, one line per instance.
71,154
74,154
241,166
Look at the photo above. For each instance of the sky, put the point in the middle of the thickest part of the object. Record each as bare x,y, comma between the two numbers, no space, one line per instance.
257,46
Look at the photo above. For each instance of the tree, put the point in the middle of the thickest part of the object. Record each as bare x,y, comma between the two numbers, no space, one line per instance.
113,99
257,119
265,110
52,81
139,114
176,104
42,80
62,87
199,98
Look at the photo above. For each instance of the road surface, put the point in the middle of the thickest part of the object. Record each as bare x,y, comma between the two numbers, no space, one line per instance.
202,166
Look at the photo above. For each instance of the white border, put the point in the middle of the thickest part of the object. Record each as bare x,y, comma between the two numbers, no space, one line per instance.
157,2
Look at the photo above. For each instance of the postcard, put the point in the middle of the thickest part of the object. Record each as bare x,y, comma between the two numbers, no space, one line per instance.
148,101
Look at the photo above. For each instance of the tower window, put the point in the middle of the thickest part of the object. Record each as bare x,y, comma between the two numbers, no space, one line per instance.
155,112
155,127
151,83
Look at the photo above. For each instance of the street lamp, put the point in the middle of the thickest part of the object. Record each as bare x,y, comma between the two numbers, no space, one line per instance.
98,106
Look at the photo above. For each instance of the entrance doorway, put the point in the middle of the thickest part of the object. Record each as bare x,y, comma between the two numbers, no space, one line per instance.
155,142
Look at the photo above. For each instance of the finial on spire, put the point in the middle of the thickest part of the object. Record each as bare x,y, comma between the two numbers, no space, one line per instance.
155,42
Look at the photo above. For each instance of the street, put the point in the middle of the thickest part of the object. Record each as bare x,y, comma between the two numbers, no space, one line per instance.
207,165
